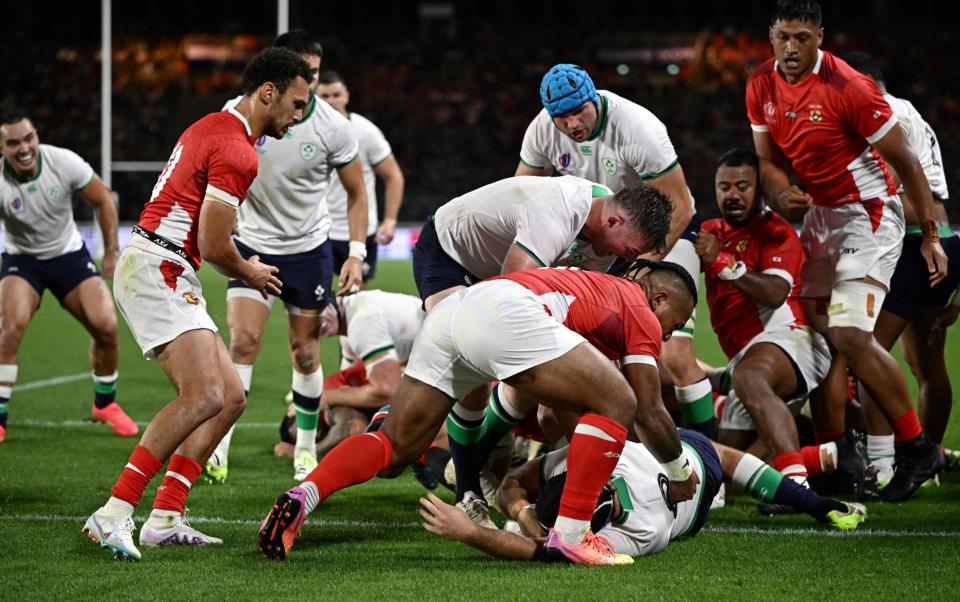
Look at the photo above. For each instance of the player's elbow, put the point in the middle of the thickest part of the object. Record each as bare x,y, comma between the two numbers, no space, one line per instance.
212,250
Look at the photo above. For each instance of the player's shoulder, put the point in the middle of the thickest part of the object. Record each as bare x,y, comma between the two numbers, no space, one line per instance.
324,116
763,73
361,122
58,155
841,77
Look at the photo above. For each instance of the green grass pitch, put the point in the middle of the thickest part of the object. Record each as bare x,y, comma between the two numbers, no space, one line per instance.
364,543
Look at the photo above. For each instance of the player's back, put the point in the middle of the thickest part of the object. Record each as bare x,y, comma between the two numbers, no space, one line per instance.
377,319
214,157
923,141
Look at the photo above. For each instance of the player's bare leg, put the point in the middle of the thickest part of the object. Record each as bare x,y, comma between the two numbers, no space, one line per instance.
925,354
307,386
691,384
92,305
18,302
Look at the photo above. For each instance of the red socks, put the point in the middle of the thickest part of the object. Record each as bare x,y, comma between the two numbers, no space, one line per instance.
356,459
140,468
792,465
594,451
906,427
181,474
811,459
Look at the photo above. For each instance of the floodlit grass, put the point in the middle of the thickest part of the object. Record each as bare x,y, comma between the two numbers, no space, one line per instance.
364,543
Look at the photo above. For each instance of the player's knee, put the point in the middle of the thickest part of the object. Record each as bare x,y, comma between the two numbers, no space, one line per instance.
11,332
205,401
622,408
305,354
106,333
245,343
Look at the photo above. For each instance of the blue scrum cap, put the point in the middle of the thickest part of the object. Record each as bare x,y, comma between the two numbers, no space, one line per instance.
565,88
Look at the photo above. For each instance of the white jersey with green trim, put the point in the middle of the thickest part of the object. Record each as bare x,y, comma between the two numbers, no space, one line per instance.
374,150
646,524
37,213
542,216
630,145
285,211
379,322
924,143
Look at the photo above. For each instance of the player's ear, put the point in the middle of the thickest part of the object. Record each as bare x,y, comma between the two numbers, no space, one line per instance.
820,38
268,91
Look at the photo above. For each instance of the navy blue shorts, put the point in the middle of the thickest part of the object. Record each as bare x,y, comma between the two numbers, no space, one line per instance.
61,274
433,269
306,276
712,472
689,233
910,286
341,250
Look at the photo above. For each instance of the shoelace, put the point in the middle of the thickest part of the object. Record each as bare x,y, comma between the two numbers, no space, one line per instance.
599,543
127,525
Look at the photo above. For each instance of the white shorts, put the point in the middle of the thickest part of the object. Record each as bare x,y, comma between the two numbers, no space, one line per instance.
492,330
850,242
685,254
160,297
808,351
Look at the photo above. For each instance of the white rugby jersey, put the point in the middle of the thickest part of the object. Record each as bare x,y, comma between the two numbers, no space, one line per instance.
285,210
647,524
374,149
378,322
630,146
543,216
923,140
37,213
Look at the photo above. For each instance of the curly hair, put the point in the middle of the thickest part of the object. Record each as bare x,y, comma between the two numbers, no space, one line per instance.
632,271
276,65
299,41
649,212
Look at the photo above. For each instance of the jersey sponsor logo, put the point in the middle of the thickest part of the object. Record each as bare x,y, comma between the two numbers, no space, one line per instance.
586,149
790,114
565,160
849,250
770,109
609,165
816,116
664,484
308,150
53,193
32,188
191,298
17,204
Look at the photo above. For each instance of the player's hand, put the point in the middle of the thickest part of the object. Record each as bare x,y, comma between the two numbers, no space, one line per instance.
386,231
262,278
109,264
936,260
351,277
793,201
682,491
944,320
707,247
449,522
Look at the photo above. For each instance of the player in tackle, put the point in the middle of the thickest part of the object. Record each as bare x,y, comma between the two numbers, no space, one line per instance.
190,217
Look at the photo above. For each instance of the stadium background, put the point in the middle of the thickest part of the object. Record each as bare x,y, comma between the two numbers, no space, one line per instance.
453,85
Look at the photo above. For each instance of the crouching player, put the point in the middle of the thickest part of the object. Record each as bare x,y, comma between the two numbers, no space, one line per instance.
752,259
633,516
530,329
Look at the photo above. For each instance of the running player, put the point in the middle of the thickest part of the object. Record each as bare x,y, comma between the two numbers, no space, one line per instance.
43,249
752,259
834,126
189,217
551,334
607,139
285,222
910,310
378,161
631,517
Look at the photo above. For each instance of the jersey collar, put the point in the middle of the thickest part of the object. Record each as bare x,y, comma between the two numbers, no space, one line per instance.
13,173
602,122
310,108
242,119
816,66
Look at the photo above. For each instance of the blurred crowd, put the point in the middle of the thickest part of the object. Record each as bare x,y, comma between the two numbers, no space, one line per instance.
454,111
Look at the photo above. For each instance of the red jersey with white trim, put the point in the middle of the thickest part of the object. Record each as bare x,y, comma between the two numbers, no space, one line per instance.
766,244
611,313
825,125
213,157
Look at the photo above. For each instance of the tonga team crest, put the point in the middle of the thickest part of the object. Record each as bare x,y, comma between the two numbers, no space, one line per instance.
308,150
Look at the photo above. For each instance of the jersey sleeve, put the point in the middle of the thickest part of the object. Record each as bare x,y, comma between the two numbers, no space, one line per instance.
781,254
533,152
374,144
642,336
754,107
342,144
868,112
76,172
231,168
546,227
646,146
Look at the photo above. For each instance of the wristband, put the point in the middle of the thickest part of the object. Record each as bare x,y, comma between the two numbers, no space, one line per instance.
358,249
928,228
525,505
727,267
678,470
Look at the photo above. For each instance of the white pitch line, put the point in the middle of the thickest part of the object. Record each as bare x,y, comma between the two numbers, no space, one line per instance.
56,518
57,424
50,382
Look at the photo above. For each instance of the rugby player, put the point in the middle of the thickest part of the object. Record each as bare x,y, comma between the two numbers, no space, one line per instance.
834,126
43,249
912,309
285,222
190,217
610,140
632,516
551,334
